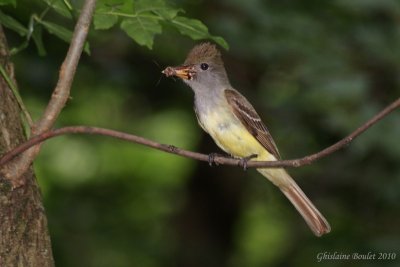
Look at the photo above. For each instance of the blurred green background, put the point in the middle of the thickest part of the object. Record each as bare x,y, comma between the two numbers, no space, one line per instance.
314,70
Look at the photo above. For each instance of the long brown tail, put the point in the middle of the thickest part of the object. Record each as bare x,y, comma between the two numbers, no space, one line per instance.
317,223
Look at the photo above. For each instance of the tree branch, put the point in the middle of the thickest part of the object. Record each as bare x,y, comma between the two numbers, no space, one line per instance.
198,156
67,71
61,92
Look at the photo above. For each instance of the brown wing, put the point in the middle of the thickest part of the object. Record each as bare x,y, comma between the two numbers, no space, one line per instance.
245,112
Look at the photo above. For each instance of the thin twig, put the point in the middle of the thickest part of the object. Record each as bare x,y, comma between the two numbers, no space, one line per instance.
198,156
61,91
68,68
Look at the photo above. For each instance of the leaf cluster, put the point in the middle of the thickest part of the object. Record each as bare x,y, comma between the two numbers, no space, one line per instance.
141,20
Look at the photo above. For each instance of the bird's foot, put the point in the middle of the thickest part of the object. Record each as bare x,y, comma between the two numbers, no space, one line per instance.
211,158
243,161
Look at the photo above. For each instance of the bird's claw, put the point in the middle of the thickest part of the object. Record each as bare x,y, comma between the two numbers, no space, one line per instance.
211,158
243,161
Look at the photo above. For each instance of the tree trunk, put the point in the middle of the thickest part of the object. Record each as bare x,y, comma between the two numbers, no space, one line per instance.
24,237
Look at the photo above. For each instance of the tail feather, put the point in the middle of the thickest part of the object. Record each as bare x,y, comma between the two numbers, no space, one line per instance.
315,220
317,223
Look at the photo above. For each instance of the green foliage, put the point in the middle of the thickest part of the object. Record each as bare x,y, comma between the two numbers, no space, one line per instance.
13,24
142,20
34,29
62,7
196,30
61,32
142,30
37,36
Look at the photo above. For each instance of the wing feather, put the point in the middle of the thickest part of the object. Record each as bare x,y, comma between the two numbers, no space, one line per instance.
248,116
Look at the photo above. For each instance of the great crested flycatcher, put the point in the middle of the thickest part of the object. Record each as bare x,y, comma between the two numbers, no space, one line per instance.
236,127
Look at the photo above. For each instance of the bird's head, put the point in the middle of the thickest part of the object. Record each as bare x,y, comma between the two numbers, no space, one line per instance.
203,68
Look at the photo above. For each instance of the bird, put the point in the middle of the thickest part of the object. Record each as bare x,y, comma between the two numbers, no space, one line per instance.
235,126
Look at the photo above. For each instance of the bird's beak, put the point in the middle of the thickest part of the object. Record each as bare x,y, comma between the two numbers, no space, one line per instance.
185,72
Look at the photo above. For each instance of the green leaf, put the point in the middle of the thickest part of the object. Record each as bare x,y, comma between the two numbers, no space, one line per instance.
142,20
108,11
158,7
113,3
8,2
196,30
61,32
62,7
191,27
38,39
142,29
221,41
13,24
68,4
119,6
104,21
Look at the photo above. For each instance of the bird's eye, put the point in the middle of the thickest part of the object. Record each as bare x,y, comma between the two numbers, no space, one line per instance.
204,66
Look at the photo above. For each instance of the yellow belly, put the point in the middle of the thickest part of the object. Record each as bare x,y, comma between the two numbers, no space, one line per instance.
232,137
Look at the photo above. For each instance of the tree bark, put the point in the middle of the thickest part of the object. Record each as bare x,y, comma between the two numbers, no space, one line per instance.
24,236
